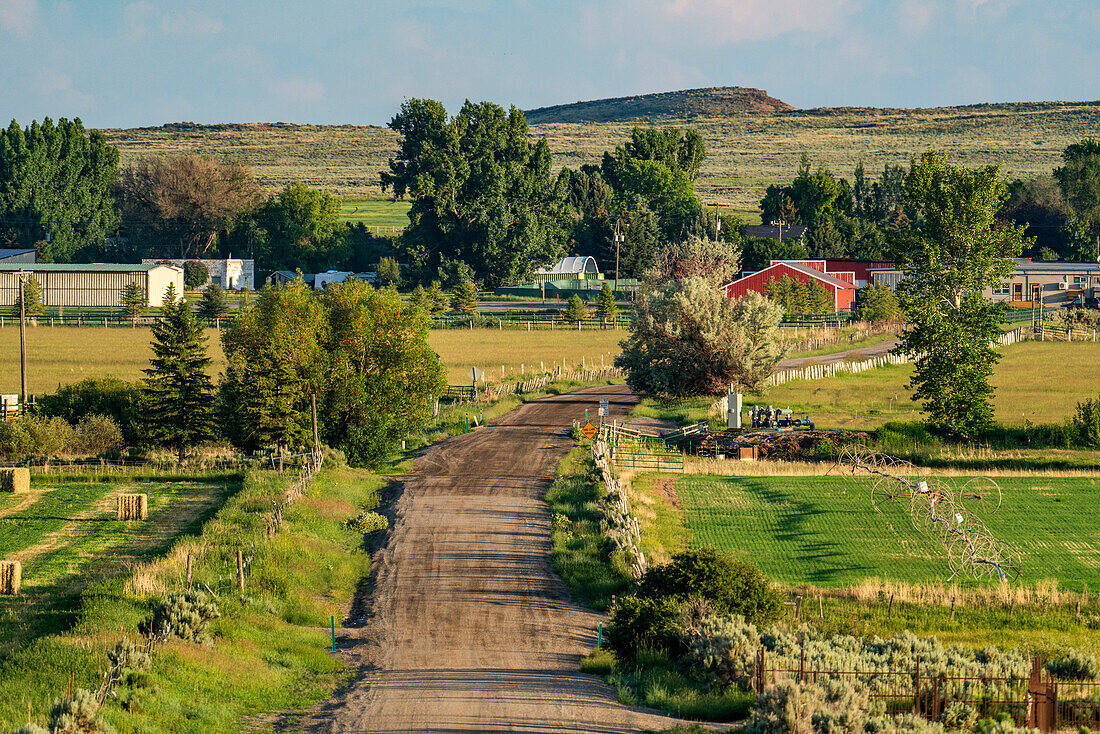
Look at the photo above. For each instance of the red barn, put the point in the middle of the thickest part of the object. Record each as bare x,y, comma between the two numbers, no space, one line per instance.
842,291
857,271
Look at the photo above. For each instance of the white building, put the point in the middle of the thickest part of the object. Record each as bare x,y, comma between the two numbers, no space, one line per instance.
228,273
94,284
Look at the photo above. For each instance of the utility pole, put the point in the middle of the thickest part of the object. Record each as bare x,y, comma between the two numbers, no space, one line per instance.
619,237
717,221
21,276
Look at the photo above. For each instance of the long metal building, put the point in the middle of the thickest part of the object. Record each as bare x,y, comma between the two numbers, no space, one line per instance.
95,284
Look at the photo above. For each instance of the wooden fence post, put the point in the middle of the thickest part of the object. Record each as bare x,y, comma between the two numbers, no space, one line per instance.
188,571
240,570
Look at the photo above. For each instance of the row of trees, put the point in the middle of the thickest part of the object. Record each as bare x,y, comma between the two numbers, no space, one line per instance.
359,352
797,297
63,193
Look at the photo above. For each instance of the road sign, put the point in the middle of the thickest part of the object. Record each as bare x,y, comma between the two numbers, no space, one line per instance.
589,431
475,374
605,407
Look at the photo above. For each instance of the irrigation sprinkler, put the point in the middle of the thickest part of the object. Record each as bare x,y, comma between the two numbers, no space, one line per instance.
938,508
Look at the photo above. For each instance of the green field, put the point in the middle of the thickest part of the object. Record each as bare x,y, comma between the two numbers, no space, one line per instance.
1040,382
744,152
384,215
66,537
825,532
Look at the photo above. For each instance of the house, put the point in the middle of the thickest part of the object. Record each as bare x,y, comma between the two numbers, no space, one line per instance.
94,284
781,232
228,273
1050,284
282,277
843,292
20,255
339,276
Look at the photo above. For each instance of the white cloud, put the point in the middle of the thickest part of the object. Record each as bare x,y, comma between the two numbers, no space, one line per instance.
753,20
57,87
915,16
18,16
141,18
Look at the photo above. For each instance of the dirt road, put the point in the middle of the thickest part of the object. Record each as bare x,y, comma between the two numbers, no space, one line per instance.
467,628
848,355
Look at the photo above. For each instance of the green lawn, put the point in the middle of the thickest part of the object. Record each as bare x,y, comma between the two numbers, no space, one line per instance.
376,212
825,531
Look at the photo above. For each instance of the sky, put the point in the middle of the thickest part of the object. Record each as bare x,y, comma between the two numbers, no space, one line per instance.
131,64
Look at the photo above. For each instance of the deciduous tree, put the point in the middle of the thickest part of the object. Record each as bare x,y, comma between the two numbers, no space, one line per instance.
301,228
954,254
195,274
56,188
482,193
179,204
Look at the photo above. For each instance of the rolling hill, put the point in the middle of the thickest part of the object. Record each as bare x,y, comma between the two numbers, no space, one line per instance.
684,104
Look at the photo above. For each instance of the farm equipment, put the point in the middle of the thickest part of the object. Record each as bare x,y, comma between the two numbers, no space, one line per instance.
778,419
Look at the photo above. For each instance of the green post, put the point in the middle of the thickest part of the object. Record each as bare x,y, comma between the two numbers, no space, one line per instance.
467,423
332,621
586,415
599,635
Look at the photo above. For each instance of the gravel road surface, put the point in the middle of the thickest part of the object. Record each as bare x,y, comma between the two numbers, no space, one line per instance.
467,628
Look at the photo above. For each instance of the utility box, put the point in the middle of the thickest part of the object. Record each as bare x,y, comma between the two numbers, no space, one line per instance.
733,410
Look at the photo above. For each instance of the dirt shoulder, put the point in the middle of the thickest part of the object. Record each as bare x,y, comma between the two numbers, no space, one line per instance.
467,628
848,355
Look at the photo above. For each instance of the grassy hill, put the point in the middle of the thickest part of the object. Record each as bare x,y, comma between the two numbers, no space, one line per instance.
745,152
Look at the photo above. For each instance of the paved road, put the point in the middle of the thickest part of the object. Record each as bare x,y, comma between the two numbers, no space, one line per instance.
848,355
467,628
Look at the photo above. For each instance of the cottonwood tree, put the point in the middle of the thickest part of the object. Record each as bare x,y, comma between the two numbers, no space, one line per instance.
181,202
178,394
381,373
57,186
954,253
1079,179
482,193
300,228
195,274
689,339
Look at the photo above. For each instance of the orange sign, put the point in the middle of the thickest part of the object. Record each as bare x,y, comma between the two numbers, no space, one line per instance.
589,431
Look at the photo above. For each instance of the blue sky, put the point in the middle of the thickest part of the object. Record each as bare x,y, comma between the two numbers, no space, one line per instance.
123,64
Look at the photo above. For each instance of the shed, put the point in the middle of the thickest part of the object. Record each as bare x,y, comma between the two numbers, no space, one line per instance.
90,284
578,267
10,255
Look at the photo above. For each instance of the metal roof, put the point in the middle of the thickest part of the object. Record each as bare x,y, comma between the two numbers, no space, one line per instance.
8,252
83,267
805,269
1028,265
576,264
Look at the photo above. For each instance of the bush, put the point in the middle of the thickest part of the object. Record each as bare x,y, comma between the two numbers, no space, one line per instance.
722,649
195,274
78,715
30,729
14,439
959,716
367,522
1086,423
1074,666
184,615
129,656
49,436
829,708
598,662
109,396
640,623
730,585
94,435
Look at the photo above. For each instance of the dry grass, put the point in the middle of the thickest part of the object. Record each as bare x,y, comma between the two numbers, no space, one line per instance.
743,151
732,468
537,352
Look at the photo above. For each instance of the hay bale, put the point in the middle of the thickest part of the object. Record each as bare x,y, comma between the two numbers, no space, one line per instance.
132,507
15,479
11,577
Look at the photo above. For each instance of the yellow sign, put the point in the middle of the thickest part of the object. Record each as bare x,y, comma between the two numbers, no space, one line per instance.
589,431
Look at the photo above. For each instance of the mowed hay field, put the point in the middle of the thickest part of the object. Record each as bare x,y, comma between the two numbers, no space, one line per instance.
63,355
67,354
536,352
743,151
65,535
825,531
1041,382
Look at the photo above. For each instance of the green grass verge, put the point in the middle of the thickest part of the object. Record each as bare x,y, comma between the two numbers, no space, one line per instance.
270,651
658,681
376,212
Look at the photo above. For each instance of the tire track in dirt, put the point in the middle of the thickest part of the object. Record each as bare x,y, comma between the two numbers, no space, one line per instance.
467,627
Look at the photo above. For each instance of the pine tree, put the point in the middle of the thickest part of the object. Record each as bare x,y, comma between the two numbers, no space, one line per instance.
464,299
179,397
133,301
575,311
170,298
213,305
437,298
419,298
605,306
